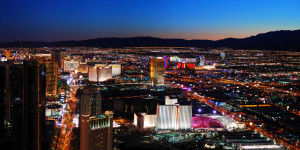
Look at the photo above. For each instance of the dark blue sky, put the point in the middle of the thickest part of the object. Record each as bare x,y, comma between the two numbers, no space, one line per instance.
55,20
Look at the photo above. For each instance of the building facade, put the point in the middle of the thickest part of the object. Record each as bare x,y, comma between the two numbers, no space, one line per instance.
70,65
99,73
157,71
96,132
174,117
51,76
24,116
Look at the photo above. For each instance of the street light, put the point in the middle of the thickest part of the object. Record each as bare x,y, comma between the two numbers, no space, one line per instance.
199,110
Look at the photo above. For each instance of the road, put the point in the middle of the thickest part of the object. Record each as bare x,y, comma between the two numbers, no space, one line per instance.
65,127
206,100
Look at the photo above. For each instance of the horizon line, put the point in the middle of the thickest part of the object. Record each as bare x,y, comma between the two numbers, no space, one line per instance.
144,36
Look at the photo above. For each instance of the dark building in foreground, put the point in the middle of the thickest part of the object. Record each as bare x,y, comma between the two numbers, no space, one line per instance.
24,100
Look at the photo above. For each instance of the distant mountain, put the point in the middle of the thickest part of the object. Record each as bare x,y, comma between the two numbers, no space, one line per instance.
275,40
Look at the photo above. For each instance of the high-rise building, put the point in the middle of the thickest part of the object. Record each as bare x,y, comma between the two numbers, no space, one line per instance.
93,74
116,69
51,76
143,120
90,103
56,56
95,127
3,135
174,117
24,98
96,132
157,71
100,73
83,67
51,72
104,73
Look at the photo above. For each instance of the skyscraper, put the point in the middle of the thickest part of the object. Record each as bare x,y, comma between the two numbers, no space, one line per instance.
25,83
56,56
95,127
157,71
174,117
96,132
100,73
51,76
90,103
3,136
51,72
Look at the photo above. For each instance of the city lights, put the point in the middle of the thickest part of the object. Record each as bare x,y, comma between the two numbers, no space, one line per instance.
113,75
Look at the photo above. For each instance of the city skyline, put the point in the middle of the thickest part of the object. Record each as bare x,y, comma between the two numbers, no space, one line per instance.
77,20
150,75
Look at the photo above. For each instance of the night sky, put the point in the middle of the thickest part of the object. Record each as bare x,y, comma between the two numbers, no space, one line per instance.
55,20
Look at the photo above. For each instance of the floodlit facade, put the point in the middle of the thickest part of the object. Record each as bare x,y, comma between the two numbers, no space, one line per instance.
143,120
96,132
169,101
83,67
51,76
70,65
93,74
157,71
99,74
174,117
104,73
116,69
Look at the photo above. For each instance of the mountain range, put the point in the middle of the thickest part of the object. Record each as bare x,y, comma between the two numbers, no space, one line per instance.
275,40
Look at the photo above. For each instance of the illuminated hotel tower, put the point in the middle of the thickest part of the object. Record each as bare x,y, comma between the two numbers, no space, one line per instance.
174,117
157,71
96,132
95,127
51,76
51,72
